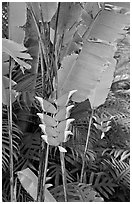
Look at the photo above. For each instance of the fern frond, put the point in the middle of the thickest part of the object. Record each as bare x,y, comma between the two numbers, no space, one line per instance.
102,183
30,148
5,143
120,171
77,192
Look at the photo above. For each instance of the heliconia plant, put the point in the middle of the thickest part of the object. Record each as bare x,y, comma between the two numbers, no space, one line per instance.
81,65
56,127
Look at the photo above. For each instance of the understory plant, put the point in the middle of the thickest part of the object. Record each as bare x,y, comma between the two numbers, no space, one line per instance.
65,101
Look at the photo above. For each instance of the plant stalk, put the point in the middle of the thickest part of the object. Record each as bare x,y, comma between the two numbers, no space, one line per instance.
63,174
45,170
86,146
10,133
56,24
42,174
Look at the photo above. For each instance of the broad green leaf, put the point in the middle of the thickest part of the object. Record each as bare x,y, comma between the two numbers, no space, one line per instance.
83,72
92,8
48,10
15,50
36,9
101,91
29,182
69,14
120,4
17,18
109,26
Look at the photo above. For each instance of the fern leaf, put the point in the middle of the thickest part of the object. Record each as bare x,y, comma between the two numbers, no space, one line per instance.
102,183
77,192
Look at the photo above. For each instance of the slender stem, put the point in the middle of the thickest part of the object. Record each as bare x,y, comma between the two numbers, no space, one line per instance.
55,36
10,132
86,146
45,170
9,107
42,67
55,53
63,174
62,154
41,172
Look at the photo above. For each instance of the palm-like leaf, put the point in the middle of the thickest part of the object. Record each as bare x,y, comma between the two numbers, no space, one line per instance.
77,193
120,172
5,143
56,173
30,147
102,183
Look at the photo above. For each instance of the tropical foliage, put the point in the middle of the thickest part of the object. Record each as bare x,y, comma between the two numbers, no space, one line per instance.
65,102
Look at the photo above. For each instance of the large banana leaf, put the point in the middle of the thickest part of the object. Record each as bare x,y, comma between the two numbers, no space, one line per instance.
90,70
85,71
47,9
16,51
69,13
17,18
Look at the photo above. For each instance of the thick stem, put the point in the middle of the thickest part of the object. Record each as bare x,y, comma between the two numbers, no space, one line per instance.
63,174
86,146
